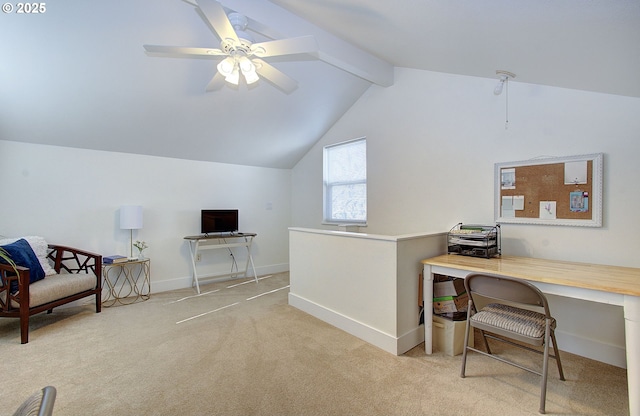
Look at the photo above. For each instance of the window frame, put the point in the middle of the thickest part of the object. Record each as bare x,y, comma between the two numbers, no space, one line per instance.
328,186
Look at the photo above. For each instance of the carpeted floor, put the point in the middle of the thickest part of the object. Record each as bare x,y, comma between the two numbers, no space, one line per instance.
240,349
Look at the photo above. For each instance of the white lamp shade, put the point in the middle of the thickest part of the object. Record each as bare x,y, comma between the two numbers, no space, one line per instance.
130,217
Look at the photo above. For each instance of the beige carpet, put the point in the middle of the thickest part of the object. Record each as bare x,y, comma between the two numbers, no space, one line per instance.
228,353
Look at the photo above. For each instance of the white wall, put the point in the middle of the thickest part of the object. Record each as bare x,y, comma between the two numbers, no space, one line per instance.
433,140
73,196
439,135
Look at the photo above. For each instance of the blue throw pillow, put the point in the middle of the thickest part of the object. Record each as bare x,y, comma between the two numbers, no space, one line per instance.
23,255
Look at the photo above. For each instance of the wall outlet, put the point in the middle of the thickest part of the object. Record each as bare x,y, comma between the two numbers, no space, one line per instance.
198,257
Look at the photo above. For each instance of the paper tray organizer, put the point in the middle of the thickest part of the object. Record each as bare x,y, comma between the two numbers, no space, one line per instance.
474,240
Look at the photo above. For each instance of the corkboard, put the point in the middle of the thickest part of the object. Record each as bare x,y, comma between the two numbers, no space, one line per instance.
546,183
542,195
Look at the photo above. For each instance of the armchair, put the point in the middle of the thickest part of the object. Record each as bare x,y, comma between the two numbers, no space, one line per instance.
75,274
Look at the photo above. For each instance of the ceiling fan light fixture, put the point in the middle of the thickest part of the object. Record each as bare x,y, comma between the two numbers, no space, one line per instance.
246,65
248,70
251,77
226,66
233,77
237,52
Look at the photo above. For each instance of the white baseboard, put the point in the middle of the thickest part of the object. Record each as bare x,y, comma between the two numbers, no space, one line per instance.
185,281
386,342
593,349
410,339
182,283
574,344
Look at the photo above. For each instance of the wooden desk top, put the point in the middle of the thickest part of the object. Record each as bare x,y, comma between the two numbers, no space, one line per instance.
613,279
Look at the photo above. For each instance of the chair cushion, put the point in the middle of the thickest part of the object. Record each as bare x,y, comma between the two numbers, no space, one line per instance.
56,287
520,321
23,255
59,286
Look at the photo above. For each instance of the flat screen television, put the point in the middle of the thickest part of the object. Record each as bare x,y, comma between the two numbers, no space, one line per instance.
219,221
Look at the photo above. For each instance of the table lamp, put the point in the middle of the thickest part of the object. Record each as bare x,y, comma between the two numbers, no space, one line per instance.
131,219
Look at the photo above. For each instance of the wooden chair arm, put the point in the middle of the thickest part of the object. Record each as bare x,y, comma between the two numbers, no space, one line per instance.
7,276
4,268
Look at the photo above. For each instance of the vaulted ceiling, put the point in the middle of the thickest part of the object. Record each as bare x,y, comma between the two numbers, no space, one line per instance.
77,75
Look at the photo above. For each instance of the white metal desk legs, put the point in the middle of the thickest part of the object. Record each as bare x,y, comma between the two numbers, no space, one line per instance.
198,245
193,250
632,340
250,261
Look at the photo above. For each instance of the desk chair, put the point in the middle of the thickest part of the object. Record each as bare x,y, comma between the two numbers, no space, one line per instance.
39,403
509,323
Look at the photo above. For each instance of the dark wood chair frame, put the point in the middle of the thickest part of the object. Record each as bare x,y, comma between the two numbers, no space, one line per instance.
66,260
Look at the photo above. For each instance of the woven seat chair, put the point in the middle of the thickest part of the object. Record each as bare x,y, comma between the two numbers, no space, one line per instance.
39,403
514,322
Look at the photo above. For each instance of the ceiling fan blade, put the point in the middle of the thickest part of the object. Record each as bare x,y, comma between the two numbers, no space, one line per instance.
214,12
275,76
183,51
290,46
216,82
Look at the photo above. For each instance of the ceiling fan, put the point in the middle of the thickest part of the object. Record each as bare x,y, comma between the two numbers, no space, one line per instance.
237,53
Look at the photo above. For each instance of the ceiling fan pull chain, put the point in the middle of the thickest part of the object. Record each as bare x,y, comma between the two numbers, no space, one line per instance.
506,116
504,79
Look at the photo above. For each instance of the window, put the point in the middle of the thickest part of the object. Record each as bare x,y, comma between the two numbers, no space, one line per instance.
345,182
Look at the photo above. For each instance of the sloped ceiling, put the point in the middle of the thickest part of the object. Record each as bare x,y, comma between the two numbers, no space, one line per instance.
587,45
77,75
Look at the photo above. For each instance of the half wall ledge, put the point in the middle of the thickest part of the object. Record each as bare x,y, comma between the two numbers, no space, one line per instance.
364,284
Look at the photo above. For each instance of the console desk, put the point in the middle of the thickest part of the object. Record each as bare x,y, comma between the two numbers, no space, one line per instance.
598,283
228,241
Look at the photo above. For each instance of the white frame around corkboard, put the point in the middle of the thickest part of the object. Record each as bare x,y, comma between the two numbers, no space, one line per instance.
547,191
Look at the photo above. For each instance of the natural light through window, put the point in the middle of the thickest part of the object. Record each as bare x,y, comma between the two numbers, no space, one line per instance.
345,182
